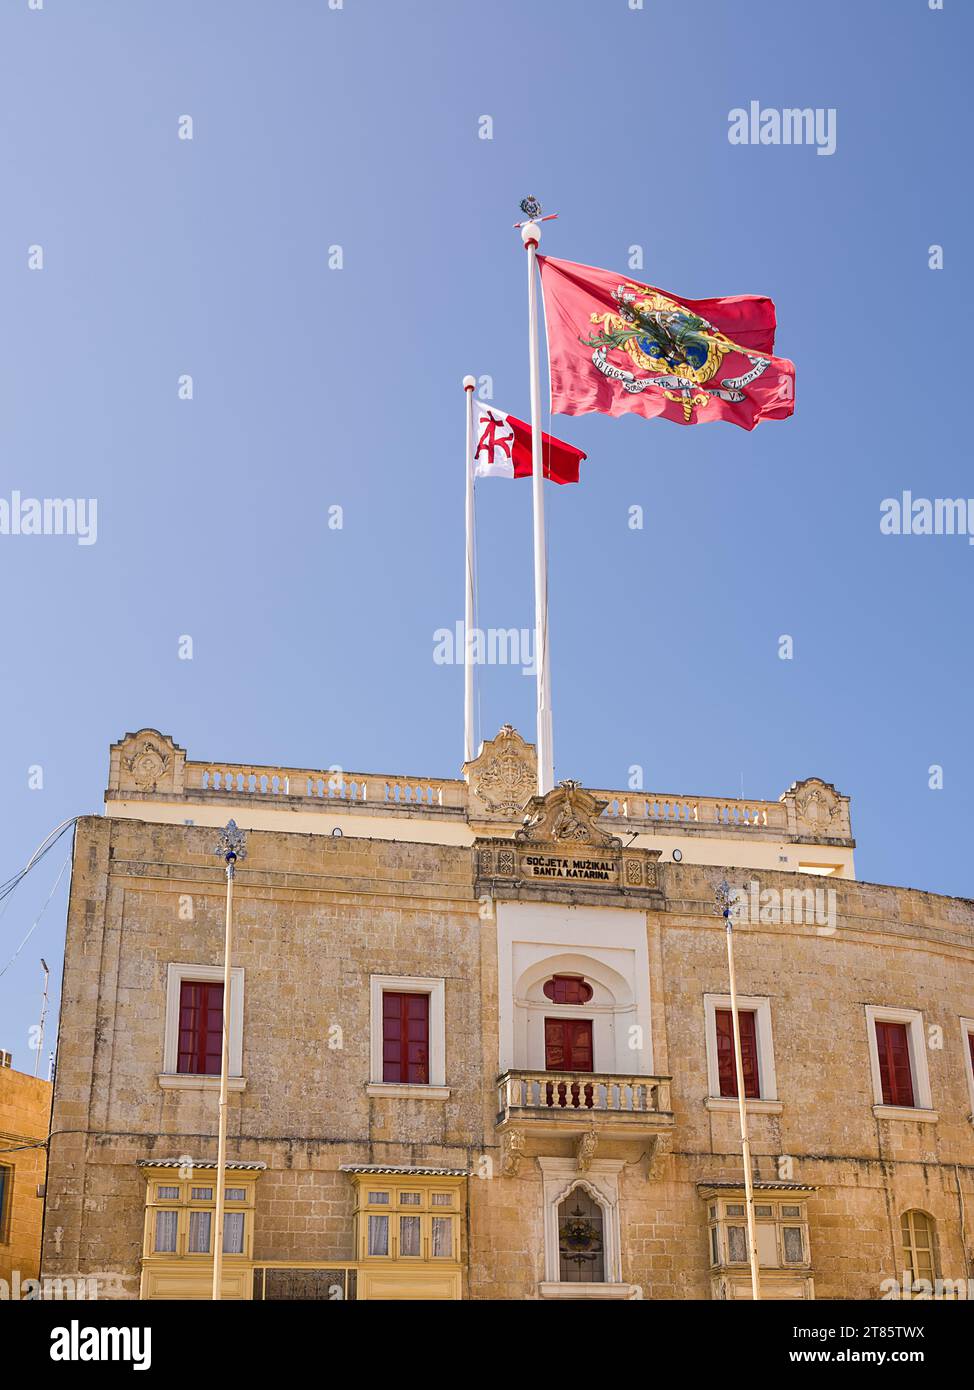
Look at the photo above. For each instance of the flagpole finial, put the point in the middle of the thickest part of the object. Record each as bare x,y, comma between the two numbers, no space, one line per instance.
531,234
469,383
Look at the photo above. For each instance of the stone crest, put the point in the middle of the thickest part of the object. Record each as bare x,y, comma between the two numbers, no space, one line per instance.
147,765
820,811
567,814
146,762
502,778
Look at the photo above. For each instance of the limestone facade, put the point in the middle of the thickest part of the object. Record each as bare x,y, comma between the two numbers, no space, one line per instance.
506,894
25,1112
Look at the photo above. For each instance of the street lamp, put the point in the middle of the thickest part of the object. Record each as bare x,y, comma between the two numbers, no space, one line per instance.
727,905
231,847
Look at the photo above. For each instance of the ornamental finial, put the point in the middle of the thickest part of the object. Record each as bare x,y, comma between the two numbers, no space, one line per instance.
232,844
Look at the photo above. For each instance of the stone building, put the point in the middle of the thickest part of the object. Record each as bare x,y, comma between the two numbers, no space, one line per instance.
25,1113
479,1042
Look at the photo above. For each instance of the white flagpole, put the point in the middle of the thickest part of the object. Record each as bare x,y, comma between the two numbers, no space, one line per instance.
531,236
469,753
727,908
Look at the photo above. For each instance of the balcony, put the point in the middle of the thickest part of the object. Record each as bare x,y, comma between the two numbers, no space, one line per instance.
571,1103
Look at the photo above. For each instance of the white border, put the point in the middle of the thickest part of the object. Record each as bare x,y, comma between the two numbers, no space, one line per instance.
615,938
967,1028
560,1176
767,1078
916,1037
409,984
176,973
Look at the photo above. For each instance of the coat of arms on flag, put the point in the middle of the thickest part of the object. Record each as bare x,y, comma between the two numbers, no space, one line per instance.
617,345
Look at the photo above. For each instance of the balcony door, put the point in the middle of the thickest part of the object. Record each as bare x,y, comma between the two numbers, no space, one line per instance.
568,1047
568,1044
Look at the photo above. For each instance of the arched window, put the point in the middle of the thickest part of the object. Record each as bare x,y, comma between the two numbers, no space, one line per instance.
918,1244
567,989
580,1239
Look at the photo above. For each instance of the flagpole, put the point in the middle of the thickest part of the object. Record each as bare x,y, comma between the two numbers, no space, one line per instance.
726,909
469,383
531,236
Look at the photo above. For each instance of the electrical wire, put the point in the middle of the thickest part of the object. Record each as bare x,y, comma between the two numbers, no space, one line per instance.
44,848
37,918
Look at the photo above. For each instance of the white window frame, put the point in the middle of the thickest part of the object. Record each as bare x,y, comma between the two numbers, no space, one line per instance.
170,1078
916,1038
760,1006
436,1088
966,1029
560,1177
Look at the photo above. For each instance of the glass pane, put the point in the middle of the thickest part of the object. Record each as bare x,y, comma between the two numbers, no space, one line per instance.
409,1235
235,1194
714,1255
199,1232
762,1211
443,1199
233,1232
794,1245
378,1199
410,1199
442,1237
167,1194
735,1209
378,1235
166,1232
791,1211
737,1245
580,1239
201,1194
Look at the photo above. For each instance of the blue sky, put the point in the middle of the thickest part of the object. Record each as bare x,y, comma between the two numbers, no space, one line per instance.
315,387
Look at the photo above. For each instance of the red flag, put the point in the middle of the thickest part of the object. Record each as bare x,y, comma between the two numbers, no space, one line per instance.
616,345
502,448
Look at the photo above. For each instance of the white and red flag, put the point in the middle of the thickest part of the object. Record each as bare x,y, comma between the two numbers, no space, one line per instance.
502,448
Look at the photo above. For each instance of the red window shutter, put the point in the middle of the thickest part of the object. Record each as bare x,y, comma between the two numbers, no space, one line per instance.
895,1073
405,1037
200,1028
568,1044
567,989
726,1068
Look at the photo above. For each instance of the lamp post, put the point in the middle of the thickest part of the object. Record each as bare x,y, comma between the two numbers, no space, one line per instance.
727,907
40,1040
230,847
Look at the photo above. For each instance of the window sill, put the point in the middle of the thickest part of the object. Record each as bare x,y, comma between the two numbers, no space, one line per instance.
753,1107
187,1081
570,1290
406,1091
905,1112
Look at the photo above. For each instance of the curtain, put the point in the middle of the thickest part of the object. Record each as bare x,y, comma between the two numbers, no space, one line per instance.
199,1232
233,1232
166,1222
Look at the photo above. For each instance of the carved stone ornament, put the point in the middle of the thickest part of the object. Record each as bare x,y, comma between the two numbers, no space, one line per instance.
504,775
569,813
147,765
585,1150
817,805
513,1152
657,1154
